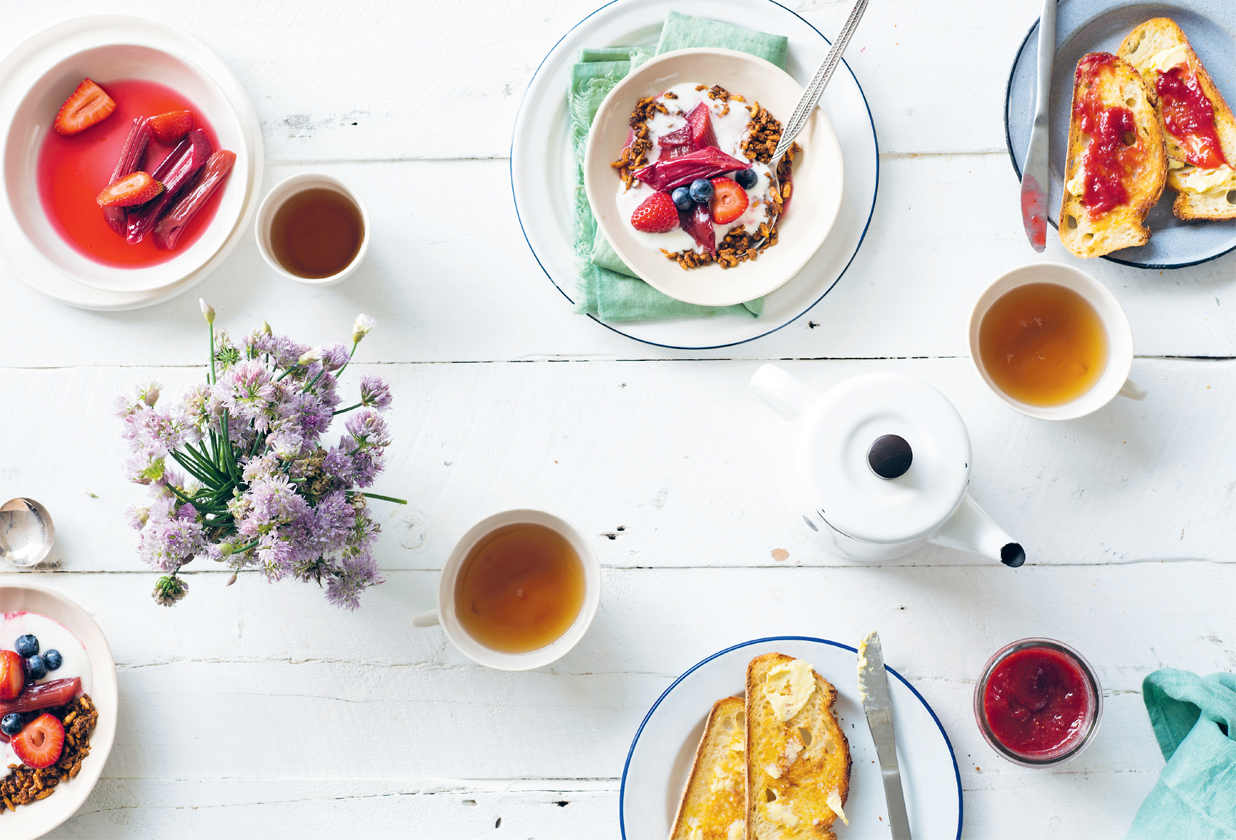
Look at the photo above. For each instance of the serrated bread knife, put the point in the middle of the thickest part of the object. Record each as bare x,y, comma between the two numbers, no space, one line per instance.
878,705
1035,176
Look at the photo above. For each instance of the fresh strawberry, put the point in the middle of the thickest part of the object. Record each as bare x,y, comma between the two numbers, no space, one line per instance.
40,742
86,106
170,127
130,191
729,201
12,674
655,214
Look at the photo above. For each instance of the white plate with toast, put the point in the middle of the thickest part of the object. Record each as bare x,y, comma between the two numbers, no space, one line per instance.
664,748
1085,26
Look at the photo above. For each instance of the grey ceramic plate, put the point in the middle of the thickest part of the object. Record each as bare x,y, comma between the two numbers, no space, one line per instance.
1086,26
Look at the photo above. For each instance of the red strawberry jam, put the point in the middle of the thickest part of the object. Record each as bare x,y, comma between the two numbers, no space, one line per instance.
1038,703
72,170
1189,116
1113,151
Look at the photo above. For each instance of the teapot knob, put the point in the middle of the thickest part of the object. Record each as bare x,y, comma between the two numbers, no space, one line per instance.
890,456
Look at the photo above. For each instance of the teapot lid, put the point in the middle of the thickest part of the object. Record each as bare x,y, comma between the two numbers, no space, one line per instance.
889,458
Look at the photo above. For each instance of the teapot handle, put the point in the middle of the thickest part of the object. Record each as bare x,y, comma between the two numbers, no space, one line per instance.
780,390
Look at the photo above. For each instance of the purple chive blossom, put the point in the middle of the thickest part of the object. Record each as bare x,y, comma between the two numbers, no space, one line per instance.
334,357
374,393
352,577
368,429
167,544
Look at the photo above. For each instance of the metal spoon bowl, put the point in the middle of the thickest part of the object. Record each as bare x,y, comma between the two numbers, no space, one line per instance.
27,533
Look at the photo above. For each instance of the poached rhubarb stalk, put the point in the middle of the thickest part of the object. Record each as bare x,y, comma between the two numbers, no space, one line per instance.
131,152
181,165
214,173
43,696
668,173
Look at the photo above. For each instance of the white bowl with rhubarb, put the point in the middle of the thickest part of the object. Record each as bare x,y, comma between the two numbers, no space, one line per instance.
677,172
126,167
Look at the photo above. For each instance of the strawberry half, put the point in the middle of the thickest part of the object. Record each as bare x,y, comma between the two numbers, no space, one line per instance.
170,127
12,674
130,191
729,200
40,742
86,106
655,214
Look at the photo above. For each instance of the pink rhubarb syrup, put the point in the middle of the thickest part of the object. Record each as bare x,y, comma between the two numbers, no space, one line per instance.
73,169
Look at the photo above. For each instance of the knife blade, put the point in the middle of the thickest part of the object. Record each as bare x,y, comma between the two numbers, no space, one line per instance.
878,706
1034,176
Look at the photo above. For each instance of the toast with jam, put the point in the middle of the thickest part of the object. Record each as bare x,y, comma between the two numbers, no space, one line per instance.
1198,127
1116,166
714,802
798,759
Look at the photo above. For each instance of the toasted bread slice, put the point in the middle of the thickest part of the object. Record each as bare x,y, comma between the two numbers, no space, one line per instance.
1203,190
714,802
1136,169
798,759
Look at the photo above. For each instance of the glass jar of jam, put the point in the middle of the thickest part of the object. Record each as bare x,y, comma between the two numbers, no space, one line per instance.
1038,702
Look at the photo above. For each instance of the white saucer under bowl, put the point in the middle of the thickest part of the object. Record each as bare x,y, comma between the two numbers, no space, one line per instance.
38,818
36,77
818,177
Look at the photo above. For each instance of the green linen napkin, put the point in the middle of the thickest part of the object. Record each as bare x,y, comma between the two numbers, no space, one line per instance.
1194,720
610,290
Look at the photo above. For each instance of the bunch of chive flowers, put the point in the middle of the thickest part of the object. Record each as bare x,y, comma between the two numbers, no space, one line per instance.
242,472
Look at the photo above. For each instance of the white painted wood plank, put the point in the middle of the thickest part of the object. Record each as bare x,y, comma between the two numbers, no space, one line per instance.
682,458
377,80
446,286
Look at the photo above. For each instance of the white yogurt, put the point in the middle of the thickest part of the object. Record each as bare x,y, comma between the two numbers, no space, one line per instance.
52,636
730,130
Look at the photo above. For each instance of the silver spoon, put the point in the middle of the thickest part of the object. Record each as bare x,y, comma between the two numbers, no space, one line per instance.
811,97
27,533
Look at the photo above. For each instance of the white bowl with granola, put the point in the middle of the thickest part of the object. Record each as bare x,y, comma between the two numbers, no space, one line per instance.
677,175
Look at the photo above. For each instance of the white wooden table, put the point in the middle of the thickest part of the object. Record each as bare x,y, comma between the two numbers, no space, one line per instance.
262,707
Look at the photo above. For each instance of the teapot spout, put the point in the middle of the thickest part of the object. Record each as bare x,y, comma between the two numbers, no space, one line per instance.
780,390
971,529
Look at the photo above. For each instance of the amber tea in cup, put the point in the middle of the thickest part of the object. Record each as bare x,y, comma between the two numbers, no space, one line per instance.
1043,344
316,233
519,588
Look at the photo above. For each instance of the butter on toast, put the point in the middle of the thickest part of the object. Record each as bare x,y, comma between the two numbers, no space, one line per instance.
798,759
1116,166
1198,127
714,801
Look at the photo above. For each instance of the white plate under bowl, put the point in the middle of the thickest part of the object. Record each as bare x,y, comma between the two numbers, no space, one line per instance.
818,176
664,746
19,72
32,121
38,818
543,165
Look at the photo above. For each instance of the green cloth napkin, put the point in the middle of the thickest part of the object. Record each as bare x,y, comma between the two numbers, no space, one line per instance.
1195,797
610,290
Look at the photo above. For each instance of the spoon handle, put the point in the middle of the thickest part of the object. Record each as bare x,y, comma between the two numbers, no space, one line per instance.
815,88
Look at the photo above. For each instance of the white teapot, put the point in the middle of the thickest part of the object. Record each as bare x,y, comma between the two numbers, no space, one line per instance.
882,464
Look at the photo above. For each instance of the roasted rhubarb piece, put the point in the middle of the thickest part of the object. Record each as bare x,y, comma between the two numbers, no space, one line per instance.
695,135
698,223
666,174
196,149
131,152
43,696
214,174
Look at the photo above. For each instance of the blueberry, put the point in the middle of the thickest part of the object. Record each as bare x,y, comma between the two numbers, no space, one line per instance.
36,668
682,198
701,191
746,178
27,645
11,723
52,659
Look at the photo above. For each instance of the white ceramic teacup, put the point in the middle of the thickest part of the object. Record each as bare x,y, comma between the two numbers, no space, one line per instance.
275,199
445,613
1113,382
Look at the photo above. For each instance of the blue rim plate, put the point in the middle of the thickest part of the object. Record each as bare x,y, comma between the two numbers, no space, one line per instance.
664,745
1084,26
541,166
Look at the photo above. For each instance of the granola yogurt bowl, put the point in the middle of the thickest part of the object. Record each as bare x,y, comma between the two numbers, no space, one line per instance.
714,115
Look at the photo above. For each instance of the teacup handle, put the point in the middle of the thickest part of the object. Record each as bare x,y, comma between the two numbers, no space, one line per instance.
1131,391
428,619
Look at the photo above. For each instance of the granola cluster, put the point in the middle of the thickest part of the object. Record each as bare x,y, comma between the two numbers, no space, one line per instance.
24,785
634,155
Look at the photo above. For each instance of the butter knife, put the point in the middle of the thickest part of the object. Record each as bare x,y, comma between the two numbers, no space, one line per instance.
878,705
1034,176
